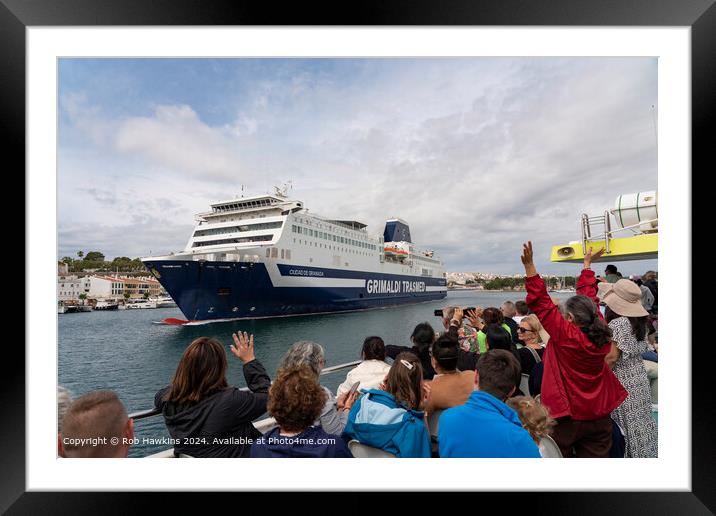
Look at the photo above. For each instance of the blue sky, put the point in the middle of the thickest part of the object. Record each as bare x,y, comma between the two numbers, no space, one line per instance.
477,154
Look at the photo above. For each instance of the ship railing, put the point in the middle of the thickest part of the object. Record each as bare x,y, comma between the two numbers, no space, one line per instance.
262,425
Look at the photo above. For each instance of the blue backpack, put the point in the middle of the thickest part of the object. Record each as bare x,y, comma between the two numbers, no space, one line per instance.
408,437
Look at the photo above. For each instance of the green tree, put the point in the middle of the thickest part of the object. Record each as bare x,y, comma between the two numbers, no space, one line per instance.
121,263
145,295
80,254
126,295
94,256
138,265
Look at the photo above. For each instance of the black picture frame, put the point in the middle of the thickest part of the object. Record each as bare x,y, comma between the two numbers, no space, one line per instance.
17,15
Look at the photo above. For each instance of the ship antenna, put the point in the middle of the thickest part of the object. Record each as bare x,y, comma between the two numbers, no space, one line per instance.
653,119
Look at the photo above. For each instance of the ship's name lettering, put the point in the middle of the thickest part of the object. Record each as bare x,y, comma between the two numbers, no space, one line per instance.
394,287
304,272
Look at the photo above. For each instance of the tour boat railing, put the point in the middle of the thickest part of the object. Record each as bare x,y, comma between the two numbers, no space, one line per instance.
143,414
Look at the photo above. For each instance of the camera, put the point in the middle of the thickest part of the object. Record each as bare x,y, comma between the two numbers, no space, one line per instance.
439,312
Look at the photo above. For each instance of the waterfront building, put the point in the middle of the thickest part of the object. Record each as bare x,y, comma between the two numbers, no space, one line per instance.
69,288
114,287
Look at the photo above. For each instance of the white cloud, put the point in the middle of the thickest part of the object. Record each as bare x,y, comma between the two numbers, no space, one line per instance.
176,138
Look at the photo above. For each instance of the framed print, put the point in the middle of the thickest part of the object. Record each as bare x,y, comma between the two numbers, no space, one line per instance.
276,142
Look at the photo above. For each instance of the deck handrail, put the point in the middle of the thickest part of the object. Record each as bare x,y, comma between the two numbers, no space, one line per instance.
143,414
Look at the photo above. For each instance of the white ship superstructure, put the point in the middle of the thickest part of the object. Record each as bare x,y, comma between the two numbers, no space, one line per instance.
267,256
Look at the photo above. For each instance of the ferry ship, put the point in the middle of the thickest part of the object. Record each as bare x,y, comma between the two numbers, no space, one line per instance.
267,256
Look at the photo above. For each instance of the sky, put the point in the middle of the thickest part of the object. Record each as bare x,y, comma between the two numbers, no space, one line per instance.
477,154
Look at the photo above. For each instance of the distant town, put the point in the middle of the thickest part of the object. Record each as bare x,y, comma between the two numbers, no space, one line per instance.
489,281
89,280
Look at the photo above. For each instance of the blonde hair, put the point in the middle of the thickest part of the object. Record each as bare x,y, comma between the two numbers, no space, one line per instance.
534,416
535,325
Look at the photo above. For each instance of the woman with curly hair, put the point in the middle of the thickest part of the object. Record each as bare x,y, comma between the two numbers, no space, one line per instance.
295,401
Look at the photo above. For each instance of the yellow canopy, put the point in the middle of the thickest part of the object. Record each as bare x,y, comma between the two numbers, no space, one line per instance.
637,247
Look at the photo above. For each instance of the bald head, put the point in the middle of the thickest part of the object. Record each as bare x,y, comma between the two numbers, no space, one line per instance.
90,425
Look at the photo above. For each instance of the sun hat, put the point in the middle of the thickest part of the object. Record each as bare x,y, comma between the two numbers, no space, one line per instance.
623,297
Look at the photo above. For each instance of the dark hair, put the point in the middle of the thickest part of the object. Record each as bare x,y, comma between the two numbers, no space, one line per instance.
423,337
445,351
638,282
373,349
296,398
584,313
638,324
200,373
522,308
493,315
404,382
611,269
499,371
97,414
498,337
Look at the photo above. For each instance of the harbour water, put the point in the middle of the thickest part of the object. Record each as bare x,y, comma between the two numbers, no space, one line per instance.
126,352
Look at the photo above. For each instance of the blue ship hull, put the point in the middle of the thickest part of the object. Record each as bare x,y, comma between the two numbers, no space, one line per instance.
207,291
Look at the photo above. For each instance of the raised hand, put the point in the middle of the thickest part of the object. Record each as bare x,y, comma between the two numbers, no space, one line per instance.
591,256
474,319
243,346
528,259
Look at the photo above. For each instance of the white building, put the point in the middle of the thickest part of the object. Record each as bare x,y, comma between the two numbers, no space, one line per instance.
69,288
111,287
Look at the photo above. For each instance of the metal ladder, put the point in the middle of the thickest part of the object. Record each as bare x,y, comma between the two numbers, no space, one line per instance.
589,223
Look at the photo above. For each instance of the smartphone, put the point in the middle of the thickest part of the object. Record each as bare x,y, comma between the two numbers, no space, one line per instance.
438,313
352,390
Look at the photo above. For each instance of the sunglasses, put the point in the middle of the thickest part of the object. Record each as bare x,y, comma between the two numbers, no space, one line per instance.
523,330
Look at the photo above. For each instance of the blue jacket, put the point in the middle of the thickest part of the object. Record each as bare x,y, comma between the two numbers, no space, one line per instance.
377,420
484,427
313,442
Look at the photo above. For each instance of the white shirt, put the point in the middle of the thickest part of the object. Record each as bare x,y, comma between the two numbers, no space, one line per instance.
370,374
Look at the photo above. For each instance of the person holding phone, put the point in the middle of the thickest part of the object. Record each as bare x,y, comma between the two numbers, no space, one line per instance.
392,418
370,372
334,414
296,400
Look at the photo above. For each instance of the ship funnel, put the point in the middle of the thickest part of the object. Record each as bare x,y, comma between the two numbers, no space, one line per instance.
396,230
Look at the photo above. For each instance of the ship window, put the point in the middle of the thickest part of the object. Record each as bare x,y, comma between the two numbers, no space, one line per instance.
282,253
288,254
268,253
274,252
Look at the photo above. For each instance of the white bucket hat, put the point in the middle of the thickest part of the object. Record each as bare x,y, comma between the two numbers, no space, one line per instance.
623,297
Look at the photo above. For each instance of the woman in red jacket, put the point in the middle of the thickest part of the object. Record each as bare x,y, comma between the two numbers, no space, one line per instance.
578,387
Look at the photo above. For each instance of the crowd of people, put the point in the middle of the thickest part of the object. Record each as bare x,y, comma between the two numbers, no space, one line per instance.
578,375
